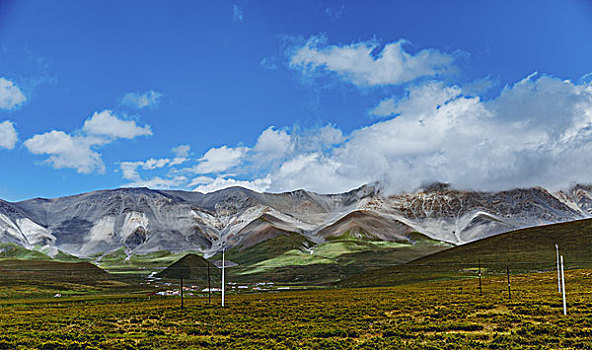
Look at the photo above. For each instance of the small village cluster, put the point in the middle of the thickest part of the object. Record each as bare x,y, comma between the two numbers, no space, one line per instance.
198,291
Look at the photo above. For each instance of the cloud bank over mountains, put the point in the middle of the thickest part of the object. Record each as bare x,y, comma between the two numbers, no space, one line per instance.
535,132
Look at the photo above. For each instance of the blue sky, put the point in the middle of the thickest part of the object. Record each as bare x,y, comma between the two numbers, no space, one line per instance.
277,95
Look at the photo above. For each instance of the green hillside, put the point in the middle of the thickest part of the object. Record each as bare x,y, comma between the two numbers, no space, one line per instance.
44,277
119,262
331,261
522,251
14,251
265,250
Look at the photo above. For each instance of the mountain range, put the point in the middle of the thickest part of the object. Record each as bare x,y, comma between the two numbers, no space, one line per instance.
141,220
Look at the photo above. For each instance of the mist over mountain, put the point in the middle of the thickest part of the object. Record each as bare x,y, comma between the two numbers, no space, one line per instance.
142,220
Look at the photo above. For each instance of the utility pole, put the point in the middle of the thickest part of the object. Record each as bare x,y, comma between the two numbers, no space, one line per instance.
181,276
558,269
223,263
480,288
563,286
209,285
509,290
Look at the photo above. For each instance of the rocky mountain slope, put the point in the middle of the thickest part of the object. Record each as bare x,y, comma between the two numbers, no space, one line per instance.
144,220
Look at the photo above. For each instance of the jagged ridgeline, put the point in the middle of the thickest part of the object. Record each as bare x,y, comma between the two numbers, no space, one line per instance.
192,268
139,221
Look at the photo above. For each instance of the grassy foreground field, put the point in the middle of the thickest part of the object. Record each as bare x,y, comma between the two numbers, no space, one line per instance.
434,315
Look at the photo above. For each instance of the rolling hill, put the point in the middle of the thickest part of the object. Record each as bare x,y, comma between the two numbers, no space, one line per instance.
522,251
192,268
43,277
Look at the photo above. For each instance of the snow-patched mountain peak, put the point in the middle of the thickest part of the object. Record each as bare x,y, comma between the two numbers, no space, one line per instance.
143,220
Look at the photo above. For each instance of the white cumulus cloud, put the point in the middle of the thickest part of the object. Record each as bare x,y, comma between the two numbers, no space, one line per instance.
141,100
158,182
11,95
131,170
67,151
357,64
153,163
217,160
200,180
259,185
106,123
181,153
77,150
273,143
181,150
8,135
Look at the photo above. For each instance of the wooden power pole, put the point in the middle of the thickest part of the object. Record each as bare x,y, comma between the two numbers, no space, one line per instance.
509,290
181,292
209,285
480,287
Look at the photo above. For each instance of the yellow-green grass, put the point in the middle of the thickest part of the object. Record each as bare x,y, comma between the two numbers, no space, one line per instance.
435,315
